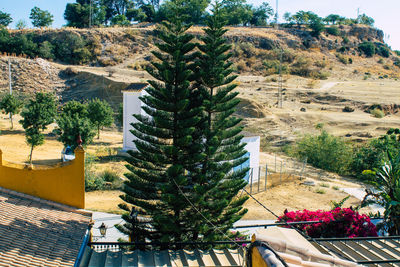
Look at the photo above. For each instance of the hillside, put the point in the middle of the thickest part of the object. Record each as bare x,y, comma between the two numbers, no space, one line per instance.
331,73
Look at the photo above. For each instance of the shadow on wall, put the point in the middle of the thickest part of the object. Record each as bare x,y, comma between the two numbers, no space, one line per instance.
62,183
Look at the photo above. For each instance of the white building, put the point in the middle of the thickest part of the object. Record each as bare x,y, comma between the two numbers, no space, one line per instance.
133,105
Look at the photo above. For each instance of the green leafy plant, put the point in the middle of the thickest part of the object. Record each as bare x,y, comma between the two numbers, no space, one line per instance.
335,204
100,114
368,48
324,151
320,191
377,113
41,18
387,182
74,123
37,115
10,105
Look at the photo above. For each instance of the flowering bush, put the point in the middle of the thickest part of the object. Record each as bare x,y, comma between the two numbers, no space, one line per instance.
339,222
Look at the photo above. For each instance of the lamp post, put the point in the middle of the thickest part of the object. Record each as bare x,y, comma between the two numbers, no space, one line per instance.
103,230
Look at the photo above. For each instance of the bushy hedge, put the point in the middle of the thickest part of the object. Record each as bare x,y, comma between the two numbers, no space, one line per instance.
324,151
339,222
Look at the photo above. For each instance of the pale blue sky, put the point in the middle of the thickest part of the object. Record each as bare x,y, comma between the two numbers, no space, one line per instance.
385,12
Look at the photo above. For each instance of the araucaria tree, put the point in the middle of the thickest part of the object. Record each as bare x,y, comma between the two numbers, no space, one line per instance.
37,115
181,176
161,170
11,105
220,131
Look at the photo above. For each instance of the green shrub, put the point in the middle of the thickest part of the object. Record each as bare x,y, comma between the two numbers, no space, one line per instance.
93,182
333,30
368,48
324,185
335,187
325,151
371,155
342,59
377,113
111,179
70,48
345,40
320,191
46,50
383,51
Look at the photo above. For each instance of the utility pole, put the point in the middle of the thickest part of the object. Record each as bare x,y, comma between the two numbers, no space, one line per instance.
280,95
90,14
9,75
358,13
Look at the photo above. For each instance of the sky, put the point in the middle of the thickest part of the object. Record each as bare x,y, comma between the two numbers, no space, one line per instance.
385,12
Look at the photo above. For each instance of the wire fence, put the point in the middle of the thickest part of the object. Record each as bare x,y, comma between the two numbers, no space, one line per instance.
279,172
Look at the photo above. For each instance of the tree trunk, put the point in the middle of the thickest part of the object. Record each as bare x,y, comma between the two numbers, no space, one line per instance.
30,156
98,132
11,119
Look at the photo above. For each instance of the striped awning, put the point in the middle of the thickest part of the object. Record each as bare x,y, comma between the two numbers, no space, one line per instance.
213,257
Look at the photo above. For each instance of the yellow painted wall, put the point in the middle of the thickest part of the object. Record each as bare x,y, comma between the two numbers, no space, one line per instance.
63,183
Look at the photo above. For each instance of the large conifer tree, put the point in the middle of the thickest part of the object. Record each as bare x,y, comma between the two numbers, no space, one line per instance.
161,170
220,133
181,175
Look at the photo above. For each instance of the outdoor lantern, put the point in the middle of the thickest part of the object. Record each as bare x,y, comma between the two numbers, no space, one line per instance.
103,230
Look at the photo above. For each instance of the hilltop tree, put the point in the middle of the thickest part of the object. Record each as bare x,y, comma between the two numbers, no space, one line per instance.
193,10
332,18
316,26
236,12
261,14
78,14
100,114
220,133
116,8
41,18
37,115
364,19
73,122
21,24
162,171
11,105
5,19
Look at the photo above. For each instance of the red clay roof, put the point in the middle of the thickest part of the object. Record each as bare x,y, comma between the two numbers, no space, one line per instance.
36,232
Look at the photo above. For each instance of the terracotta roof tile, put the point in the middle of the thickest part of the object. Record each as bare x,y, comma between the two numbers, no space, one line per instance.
37,232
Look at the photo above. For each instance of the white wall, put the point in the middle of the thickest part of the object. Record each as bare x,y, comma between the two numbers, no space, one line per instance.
132,105
253,147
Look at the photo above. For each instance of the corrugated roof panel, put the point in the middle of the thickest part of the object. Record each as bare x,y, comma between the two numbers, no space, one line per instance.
164,258
113,259
207,259
388,249
223,258
97,259
146,258
191,258
161,258
130,259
